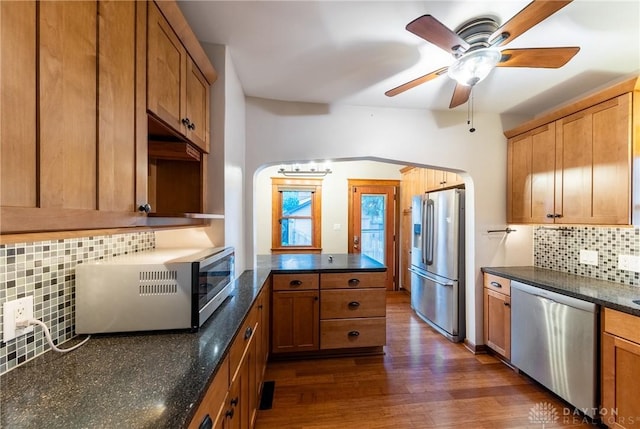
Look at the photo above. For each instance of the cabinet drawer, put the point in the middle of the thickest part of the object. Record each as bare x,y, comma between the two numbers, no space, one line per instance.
622,325
353,280
497,283
241,342
347,333
295,281
344,303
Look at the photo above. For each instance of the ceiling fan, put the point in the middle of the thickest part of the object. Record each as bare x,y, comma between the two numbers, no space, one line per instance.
474,45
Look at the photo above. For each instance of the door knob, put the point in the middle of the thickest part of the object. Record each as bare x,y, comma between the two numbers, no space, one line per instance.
144,208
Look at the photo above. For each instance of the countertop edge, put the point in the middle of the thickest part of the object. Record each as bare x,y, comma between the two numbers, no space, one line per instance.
508,272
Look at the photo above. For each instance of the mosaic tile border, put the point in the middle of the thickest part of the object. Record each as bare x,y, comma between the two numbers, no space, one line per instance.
46,270
559,249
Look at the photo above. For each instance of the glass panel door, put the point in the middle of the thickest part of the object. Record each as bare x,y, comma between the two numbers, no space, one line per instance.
373,209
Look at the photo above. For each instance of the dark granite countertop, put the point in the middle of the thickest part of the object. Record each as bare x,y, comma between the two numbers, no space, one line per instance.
318,262
144,380
613,295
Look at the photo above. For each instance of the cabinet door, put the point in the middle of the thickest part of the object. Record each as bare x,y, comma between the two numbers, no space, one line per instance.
233,413
620,374
433,180
593,162
197,108
116,106
18,100
530,176
611,190
497,323
262,337
166,70
451,179
295,321
67,91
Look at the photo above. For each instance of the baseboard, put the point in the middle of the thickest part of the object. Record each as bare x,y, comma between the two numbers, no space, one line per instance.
476,349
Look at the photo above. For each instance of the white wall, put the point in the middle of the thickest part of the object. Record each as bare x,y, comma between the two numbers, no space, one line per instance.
334,201
226,184
287,132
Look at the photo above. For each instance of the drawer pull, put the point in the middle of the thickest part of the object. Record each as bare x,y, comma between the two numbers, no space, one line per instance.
354,282
206,423
248,332
506,304
295,283
354,304
229,413
354,333
234,401
496,284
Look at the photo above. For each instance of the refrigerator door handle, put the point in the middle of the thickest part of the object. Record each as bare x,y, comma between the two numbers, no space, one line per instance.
430,278
430,230
423,237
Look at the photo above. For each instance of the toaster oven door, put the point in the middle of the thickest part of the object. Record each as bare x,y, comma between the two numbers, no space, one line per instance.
215,276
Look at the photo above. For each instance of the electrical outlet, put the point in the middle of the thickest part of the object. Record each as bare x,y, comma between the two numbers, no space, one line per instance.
629,263
589,257
15,311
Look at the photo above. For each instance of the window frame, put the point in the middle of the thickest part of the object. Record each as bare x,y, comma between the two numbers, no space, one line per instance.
278,185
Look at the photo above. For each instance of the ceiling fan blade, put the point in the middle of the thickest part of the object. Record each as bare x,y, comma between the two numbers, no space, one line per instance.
550,58
432,30
534,13
415,82
460,95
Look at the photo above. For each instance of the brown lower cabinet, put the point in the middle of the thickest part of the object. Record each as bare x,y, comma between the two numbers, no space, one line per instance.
328,311
620,369
296,305
497,314
231,401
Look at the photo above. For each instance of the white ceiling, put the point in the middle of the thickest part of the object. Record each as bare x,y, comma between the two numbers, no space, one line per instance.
351,52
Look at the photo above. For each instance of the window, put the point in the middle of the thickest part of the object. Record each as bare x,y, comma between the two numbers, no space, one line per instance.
296,217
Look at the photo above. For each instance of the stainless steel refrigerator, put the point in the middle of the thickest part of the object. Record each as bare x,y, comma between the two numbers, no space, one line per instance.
437,261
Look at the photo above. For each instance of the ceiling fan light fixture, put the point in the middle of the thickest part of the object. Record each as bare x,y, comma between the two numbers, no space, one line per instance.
474,66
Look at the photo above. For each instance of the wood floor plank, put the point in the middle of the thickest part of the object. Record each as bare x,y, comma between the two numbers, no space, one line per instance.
422,381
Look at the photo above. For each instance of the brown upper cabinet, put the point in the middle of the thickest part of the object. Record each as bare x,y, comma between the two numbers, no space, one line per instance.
73,122
69,147
177,92
574,165
439,179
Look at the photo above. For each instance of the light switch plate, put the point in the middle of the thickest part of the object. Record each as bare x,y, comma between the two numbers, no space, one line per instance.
589,257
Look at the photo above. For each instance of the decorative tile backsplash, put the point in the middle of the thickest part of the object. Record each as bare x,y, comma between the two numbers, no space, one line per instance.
46,270
558,248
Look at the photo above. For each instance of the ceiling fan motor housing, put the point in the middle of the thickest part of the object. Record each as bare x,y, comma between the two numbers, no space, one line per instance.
476,33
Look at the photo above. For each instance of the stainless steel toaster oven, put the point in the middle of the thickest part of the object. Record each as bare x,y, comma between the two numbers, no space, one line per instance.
155,290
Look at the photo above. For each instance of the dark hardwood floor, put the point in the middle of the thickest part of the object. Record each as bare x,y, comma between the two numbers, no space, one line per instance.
422,381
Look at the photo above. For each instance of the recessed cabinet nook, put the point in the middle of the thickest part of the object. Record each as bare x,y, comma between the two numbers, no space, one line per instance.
105,115
575,165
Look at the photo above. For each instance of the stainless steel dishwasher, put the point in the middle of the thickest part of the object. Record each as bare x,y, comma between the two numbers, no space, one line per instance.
553,340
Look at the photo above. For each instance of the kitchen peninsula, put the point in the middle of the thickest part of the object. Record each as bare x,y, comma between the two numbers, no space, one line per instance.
150,379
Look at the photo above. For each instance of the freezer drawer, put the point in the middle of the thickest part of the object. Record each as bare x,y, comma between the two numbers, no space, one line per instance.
436,301
553,340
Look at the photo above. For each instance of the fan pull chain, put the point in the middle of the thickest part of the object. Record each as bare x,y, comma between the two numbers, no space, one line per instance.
470,112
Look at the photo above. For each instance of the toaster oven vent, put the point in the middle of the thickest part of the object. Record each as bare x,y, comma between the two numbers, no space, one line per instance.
158,275
158,289
160,282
